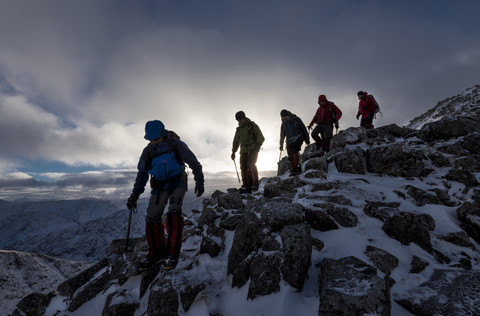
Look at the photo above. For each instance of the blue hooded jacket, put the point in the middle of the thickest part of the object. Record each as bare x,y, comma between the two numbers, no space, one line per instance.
184,153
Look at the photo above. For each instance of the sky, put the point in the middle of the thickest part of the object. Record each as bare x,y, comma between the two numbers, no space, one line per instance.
79,79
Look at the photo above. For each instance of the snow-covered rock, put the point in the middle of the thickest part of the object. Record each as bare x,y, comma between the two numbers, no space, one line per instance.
23,273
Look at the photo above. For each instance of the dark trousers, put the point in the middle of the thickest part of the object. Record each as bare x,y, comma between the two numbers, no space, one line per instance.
293,152
249,169
367,122
159,246
326,132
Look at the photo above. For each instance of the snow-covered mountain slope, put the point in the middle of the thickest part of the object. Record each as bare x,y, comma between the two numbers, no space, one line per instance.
70,229
467,103
23,273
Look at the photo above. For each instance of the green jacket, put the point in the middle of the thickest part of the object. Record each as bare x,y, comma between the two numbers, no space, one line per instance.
248,137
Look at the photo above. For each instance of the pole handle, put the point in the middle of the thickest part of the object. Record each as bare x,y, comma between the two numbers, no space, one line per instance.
128,228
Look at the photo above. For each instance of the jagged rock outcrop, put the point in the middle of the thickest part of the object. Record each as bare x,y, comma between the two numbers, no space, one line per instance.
449,128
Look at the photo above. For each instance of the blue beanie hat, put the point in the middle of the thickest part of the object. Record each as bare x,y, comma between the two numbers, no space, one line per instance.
154,130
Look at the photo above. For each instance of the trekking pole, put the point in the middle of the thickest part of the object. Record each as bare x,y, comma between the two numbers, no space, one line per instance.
236,170
133,210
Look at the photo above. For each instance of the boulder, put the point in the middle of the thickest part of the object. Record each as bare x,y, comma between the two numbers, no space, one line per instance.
230,221
210,246
421,197
446,129
317,164
349,286
231,201
276,215
297,252
462,176
471,143
383,260
417,265
408,227
163,299
343,216
283,166
381,210
350,136
352,161
470,163
459,238
246,240
32,304
189,294
264,275
439,160
208,216
320,220
469,215
448,292
397,131
124,307
396,160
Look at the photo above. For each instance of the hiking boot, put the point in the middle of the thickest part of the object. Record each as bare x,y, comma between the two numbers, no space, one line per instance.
255,187
149,263
170,263
245,189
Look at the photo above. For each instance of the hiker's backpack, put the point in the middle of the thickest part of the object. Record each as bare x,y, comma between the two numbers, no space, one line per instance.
166,164
334,114
377,107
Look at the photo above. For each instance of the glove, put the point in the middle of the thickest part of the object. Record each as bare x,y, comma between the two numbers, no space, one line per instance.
199,189
132,201
358,115
233,156
336,124
332,120
281,148
257,146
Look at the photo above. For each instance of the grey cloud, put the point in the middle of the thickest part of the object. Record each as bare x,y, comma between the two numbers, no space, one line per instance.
94,84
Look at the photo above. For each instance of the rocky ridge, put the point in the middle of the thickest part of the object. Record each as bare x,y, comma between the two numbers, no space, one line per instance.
409,198
465,103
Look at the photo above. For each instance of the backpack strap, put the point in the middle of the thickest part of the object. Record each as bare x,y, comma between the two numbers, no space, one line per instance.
334,114
251,126
173,148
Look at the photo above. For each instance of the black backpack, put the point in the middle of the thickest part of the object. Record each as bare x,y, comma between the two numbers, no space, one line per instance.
377,107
